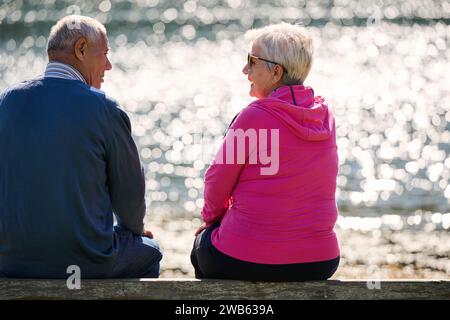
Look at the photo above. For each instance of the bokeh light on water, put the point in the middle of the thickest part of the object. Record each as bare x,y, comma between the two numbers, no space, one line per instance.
384,66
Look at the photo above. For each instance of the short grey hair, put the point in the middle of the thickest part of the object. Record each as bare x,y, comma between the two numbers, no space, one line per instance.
288,44
69,29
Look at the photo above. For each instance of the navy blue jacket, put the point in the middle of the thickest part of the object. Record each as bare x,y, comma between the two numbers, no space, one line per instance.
68,162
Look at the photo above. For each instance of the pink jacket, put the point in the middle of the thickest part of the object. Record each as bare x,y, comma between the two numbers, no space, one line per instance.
279,208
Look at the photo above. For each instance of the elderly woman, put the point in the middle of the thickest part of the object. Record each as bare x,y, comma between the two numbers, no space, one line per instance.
270,209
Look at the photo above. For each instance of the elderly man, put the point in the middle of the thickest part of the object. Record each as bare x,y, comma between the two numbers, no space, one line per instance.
68,164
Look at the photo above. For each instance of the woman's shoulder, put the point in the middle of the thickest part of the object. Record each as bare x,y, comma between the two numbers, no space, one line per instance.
251,116
259,107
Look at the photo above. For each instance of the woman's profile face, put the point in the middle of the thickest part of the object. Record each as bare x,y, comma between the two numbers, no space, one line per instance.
259,75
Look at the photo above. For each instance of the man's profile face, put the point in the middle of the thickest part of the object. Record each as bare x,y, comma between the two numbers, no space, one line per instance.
97,62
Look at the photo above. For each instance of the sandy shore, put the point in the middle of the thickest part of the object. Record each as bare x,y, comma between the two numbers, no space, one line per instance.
385,254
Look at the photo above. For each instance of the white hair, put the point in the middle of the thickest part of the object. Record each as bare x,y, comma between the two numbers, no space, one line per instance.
287,44
69,29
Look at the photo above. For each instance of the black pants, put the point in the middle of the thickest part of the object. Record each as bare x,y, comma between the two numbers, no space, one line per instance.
209,262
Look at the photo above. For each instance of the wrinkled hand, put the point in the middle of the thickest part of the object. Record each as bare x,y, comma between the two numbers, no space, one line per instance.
148,234
200,229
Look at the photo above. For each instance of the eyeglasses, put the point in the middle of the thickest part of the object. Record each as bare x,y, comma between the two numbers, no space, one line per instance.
251,62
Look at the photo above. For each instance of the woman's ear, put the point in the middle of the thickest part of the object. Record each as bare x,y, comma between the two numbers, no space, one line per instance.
80,48
278,73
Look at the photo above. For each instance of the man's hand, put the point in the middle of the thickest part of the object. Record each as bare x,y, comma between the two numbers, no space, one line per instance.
200,229
148,234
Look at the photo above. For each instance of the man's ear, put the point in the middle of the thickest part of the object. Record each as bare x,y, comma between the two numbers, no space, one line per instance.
80,48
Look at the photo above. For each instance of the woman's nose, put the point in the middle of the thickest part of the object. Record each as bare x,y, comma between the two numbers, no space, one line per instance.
245,70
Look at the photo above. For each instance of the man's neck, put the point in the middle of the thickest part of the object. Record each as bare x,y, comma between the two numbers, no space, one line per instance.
67,59
60,69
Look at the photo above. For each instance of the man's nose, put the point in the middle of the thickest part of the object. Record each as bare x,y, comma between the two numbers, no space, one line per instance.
108,64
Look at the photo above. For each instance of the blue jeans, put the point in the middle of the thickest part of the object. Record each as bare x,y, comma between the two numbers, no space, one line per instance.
137,257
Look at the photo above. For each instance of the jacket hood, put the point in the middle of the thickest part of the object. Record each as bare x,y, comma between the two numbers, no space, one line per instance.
308,117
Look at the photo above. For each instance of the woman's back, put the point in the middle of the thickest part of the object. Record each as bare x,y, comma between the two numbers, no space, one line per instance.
286,216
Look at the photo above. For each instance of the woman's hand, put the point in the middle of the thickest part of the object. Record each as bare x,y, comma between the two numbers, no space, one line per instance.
200,229
148,234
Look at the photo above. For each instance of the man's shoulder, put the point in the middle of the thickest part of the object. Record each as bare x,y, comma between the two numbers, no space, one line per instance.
109,102
112,106
68,86
21,86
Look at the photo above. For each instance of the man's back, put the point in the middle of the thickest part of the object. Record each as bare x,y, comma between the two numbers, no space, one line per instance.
61,144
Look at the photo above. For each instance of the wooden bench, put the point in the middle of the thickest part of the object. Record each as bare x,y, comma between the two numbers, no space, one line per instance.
192,289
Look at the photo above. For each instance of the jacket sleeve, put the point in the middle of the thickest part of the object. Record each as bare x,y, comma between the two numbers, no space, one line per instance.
223,173
220,180
126,179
